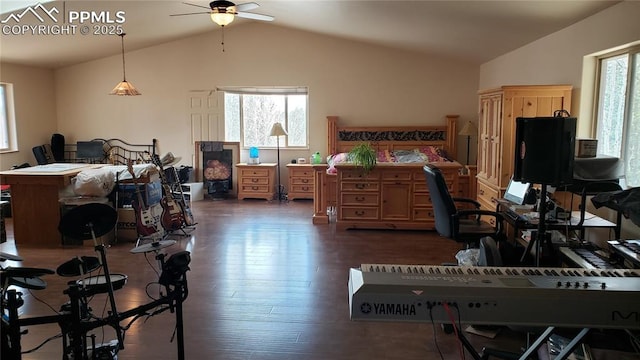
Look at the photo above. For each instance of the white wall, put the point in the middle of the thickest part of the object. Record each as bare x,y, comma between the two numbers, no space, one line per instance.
561,57
567,57
35,110
363,84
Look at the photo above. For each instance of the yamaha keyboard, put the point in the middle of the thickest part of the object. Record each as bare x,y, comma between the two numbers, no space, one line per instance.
568,297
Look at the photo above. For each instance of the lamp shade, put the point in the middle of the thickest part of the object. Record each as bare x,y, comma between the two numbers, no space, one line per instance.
469,129
278,130
124,88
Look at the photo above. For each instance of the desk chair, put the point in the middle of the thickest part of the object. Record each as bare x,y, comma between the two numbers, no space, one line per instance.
461,225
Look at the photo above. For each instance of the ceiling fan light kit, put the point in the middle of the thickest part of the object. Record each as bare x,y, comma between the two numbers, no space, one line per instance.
223,13
124,88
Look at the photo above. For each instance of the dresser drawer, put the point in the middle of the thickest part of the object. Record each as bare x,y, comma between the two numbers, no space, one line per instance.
396,175
359,186
421,199
423,214
358,213
369,199
352,174
487,196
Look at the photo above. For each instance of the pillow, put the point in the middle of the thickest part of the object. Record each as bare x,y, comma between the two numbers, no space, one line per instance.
434,154
408,156
385,156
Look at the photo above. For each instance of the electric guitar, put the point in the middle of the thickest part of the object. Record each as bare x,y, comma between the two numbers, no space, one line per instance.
172,218
187,214
145,224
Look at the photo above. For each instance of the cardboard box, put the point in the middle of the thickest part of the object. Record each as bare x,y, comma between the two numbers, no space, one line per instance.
126,226
151,193
586,148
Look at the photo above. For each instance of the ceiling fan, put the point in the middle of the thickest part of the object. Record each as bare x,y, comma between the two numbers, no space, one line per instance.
223,12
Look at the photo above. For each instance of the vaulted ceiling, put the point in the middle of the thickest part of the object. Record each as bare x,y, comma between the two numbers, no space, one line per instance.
475,30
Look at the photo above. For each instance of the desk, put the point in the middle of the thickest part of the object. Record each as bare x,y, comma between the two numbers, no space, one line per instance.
579,220
34,201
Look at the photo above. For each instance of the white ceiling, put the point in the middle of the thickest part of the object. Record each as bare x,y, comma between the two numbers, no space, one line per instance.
476,30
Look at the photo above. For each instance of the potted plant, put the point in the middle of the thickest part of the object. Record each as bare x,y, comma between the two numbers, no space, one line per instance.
364,156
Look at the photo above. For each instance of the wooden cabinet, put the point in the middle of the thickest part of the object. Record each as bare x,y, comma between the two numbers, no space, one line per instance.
300,181
256,181
389,197
498,110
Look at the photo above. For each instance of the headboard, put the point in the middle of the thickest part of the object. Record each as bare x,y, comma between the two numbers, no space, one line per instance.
343,138
114,151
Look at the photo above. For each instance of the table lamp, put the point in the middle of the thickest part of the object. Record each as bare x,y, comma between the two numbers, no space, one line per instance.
469,129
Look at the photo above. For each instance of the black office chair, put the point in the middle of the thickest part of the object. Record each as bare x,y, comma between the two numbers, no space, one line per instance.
461,225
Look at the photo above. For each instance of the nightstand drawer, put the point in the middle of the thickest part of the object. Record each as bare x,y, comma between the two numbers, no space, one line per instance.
254,172
255,181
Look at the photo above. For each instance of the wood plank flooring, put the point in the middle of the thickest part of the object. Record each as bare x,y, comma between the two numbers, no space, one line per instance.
265,283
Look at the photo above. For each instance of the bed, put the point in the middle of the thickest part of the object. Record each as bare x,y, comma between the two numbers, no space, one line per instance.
394,194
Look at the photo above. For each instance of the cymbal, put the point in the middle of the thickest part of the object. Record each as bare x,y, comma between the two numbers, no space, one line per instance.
154,246
14,272
72,267
33,283
5,256
78,221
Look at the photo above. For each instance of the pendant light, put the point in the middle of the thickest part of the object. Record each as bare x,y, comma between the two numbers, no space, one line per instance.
124,88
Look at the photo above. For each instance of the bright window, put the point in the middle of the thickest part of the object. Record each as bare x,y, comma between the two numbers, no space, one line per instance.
618,115
250,113
8,141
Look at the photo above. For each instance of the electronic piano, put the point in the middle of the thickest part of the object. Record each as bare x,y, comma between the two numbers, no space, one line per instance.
567,297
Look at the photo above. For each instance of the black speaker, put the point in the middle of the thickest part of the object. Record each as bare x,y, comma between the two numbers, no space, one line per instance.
544,150
57,147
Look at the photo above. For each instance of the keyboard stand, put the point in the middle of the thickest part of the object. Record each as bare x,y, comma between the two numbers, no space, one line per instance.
566,351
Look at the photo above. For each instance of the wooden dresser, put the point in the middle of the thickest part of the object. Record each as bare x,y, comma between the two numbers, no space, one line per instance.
300,181
391,196
257,181
498,110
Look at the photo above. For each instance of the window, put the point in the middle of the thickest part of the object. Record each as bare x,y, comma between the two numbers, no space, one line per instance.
249,115
8,141
618,115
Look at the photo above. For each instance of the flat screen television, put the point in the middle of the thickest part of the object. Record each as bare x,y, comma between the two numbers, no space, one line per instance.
544,150
89,150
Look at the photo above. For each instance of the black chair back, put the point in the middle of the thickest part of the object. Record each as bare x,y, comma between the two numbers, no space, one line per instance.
443,206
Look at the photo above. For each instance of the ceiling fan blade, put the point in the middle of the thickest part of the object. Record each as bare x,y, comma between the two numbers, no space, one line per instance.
254,16
196,5
247,6
195,13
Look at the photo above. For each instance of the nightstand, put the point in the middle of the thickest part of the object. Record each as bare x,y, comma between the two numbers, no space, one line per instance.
300,181
256,181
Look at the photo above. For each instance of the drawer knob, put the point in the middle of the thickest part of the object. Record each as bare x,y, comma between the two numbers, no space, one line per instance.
360,212
360,186
360,198
305,180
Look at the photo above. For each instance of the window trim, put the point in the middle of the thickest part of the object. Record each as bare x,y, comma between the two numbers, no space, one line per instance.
630,52
11,119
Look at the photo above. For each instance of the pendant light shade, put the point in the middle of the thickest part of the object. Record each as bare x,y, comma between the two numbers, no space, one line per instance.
124,88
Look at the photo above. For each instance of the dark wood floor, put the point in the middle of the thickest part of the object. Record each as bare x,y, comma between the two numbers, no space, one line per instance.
264,284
